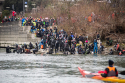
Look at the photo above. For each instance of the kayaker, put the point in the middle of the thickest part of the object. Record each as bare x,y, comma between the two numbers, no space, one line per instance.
110,70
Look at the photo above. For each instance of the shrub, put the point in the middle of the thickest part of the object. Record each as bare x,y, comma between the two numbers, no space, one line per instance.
5,13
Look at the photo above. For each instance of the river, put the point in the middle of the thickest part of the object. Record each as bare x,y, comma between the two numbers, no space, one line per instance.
31,68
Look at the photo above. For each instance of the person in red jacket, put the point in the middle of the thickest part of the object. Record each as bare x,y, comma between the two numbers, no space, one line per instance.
110,70
13,12
14,15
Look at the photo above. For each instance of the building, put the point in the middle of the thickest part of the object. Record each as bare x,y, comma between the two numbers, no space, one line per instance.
1,6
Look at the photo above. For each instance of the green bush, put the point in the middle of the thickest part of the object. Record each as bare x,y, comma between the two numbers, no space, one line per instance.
1,18
5,13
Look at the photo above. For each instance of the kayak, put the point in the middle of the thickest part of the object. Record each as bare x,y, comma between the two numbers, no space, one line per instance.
99,77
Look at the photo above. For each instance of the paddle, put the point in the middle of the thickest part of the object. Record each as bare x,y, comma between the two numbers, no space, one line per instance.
122,73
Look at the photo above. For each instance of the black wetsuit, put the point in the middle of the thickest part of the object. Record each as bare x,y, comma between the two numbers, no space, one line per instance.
66,48
80,50
56,46
30,45
69,41
52,44
72,51
8,50
36,49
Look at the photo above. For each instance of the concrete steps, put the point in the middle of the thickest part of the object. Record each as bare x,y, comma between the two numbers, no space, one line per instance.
14,33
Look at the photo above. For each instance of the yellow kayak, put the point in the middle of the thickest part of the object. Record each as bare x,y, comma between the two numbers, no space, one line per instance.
99,77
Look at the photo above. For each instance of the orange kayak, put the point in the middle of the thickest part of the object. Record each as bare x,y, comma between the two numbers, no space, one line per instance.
99,77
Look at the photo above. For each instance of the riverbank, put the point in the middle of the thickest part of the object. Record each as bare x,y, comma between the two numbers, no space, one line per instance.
13,33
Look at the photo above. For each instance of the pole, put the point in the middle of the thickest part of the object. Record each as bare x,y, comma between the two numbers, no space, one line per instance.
13,7
23,7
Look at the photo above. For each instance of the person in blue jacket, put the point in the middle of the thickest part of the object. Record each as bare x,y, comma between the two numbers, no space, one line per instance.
23,20
95,46
41,43
72,35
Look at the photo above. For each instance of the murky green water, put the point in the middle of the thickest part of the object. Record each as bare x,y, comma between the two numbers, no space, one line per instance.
30,68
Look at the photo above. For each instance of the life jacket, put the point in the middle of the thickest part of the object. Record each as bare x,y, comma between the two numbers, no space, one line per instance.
117,46
123,50
34,23
120,53
41,46
111,71
27,51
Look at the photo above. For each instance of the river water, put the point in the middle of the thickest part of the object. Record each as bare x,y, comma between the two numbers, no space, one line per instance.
31,68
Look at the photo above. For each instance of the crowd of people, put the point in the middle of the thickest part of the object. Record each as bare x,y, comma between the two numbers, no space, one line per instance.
60,41
10,18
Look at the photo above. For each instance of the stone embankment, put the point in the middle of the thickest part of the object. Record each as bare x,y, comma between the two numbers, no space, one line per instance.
12,33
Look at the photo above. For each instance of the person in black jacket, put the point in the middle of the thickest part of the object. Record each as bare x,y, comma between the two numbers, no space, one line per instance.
52,45
8,49
98,36
72,50
70,41
44,41
80,50
30,45
15,50
56,45
111,52
66,47
36,49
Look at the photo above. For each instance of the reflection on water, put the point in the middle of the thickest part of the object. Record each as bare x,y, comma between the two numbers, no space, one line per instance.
29,68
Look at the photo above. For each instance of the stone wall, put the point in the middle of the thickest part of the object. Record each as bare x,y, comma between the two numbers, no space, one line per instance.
13,33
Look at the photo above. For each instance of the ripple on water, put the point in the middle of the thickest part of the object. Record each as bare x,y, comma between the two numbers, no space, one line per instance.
30,68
